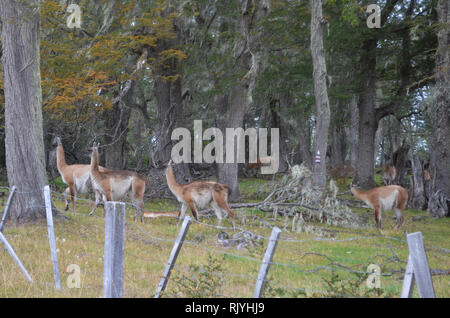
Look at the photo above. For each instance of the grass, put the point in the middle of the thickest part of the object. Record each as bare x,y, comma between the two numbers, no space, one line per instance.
300,268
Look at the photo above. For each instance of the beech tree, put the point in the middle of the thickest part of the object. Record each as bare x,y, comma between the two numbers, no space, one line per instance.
320,92
439,203
24,144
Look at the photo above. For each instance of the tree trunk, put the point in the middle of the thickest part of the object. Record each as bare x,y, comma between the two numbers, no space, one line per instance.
338,143
418,199
303,147
368,123
439,203
24,143
116,128
400,161
246,54
166,120
137,136
277,122
353,131
320,92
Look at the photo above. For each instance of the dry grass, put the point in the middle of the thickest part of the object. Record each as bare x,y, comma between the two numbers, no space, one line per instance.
80,240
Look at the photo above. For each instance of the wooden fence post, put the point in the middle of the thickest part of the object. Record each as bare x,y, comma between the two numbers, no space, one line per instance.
173,256
51,236
408,280
417,269
264,269
14,256
114,249
5,211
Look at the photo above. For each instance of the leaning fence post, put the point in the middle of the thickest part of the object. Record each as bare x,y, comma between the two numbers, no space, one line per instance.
51,236
408,280
418,262
14,256
5,211
114,249
173,256
266,262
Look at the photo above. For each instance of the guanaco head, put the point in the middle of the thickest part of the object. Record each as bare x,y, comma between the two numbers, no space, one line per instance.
93,151
353,187
56,142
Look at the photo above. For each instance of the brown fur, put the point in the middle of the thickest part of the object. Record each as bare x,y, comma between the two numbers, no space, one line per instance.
113,185
260,162
389,175
388,197
199,194
70,174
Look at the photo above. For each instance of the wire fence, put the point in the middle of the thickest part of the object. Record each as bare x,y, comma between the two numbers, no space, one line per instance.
203,240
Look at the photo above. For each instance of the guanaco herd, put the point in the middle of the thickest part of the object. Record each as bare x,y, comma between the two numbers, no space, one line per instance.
113,185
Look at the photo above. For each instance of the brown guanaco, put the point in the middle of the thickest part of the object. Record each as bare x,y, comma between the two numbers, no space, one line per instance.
199,194
115,184
391,197
76,176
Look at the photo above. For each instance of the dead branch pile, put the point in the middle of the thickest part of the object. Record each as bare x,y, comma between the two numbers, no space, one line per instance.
296,196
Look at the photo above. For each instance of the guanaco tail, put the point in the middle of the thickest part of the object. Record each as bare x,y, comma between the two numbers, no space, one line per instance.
392,197
198,194
76,176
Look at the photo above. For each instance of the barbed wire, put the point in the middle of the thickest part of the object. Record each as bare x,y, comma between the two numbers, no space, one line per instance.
91,202
331,266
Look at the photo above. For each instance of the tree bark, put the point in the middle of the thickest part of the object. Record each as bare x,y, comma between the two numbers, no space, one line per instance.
320,92
24,143
116,128
353,131
369,116
246,54
303,147
277,122
418,199
368,123
439,203
338,143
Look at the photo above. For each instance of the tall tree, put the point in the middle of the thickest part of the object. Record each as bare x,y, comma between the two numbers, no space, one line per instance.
25,159
320,92
439,203
246,56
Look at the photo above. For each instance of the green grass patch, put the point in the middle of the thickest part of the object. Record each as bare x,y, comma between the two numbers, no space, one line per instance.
302,267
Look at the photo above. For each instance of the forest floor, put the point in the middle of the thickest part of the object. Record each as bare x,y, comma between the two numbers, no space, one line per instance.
327,261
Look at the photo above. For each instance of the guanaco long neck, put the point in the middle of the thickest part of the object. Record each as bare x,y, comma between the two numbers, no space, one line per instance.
171,181
359,194
60,158
94,163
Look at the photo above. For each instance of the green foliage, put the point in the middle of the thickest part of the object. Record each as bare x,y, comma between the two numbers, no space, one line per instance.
201,281
339,286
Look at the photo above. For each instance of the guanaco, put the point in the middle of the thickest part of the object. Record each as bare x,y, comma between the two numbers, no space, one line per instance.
260,162
76,176
389,175
115,184
199,194
392,197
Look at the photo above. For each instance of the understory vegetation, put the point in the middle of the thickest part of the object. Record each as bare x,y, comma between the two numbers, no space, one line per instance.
323,261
